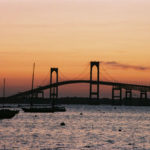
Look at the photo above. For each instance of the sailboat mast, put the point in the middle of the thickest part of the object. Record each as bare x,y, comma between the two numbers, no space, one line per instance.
33,78
4,86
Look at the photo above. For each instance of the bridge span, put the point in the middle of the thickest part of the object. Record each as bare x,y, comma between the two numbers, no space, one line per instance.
116,86
141,88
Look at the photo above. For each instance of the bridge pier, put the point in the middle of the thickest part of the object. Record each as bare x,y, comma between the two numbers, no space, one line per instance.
128,94
41,93
143,95
54,90
92,64
26,97
116,96
36,94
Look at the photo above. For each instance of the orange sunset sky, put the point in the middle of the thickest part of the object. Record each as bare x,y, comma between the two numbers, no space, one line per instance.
69,34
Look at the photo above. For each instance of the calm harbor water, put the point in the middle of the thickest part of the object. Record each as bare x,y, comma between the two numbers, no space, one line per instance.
98,127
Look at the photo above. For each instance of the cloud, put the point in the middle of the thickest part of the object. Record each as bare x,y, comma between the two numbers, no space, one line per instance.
125,66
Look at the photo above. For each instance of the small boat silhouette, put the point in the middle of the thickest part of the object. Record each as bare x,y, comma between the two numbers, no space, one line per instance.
7,113
44,110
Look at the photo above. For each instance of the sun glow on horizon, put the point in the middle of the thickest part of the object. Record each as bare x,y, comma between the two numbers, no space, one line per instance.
70,34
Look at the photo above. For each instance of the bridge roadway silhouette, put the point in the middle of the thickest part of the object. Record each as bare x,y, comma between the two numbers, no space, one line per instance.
116,84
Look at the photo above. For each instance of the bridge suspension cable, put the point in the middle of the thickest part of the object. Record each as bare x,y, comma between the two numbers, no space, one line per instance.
108,74
45,79
83,73
62,77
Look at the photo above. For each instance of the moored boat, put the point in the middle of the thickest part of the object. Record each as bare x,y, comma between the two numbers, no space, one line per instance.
7,113
44,109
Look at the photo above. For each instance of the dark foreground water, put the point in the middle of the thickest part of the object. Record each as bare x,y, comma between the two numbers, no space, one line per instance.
98,128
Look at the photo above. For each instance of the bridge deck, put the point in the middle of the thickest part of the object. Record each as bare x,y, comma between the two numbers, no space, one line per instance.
121,85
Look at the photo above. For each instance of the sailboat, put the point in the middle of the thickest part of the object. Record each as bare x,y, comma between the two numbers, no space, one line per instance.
44,109
7,113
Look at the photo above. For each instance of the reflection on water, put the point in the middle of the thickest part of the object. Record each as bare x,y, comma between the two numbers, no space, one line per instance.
86,127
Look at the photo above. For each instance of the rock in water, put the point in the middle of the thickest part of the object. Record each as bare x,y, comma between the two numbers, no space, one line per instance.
81,113
62,124
120,130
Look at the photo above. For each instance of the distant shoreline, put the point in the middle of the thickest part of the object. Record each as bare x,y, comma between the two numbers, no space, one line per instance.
78,100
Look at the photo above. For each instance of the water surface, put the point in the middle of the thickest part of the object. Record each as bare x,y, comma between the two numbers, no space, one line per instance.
98,127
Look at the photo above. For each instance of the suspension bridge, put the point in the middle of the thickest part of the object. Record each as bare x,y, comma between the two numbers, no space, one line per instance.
117,87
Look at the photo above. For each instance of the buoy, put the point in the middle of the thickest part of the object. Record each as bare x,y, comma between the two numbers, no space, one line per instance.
81,114
62,124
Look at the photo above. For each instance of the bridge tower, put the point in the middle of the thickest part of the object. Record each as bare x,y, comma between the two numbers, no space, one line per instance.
92,64
54,90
